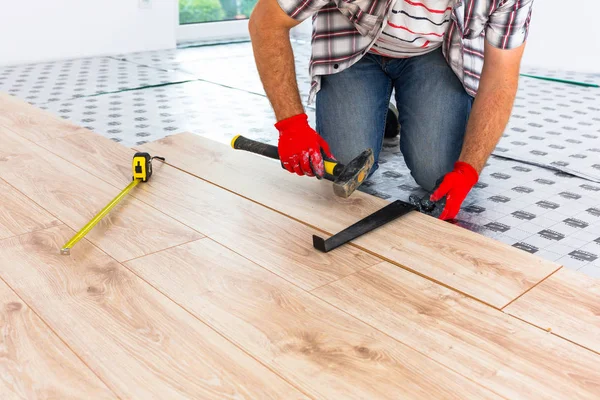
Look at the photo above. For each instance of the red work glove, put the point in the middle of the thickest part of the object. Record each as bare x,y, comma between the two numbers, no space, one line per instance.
455,186
300,146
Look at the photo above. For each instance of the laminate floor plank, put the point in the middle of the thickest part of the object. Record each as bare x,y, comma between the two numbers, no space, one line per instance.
19,215
102,157
32,123
139,342
318,348
74,196
508,356
567,304
35,363
272,240
480,267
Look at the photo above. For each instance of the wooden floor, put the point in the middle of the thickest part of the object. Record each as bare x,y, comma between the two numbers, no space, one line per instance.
204,284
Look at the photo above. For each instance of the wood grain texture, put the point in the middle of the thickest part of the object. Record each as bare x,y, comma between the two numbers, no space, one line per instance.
32,123
483,268
508,356
102,157
35,363
20,215
274,241
315,346
74,196
567,304
139,342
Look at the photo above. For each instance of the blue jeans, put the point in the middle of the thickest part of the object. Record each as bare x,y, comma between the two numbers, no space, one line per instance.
434,108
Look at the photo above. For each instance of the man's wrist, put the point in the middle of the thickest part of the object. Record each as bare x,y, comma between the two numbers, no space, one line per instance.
477,163
293,121
468,171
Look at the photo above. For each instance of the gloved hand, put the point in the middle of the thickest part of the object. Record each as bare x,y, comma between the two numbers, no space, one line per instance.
300,147
455,186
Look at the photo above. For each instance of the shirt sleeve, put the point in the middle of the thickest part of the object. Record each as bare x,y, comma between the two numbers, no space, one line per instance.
508,25
301,9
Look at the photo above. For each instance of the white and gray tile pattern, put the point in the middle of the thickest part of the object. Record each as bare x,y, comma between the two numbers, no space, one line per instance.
68,79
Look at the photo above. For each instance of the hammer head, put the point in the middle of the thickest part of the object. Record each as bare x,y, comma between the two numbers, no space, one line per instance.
354,174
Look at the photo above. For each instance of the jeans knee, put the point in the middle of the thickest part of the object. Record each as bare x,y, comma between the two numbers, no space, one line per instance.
426,180
428,173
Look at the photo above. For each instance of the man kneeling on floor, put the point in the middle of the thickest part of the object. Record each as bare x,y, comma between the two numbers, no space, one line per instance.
454,65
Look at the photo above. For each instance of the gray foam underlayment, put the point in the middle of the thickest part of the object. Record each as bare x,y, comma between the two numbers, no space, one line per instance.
539,192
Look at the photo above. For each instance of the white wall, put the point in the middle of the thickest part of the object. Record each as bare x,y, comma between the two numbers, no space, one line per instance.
38,30
565,34
561,37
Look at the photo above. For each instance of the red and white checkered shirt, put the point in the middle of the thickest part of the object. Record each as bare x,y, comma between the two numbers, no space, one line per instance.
345,30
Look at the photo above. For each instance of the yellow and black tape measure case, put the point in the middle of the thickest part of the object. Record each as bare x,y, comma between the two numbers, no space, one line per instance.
142,166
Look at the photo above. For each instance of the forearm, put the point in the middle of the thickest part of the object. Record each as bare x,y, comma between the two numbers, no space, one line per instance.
489,116
275,63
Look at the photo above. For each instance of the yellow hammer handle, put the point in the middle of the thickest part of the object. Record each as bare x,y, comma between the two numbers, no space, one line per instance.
66,250
329,166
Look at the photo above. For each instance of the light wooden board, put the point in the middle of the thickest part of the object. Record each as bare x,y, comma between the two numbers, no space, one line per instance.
274,241
480,267
315,346
139,342
31,122
74,196
20,215
35,363
568,304
102,157
510,357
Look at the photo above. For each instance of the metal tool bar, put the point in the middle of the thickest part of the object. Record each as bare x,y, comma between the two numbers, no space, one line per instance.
379,218
66,250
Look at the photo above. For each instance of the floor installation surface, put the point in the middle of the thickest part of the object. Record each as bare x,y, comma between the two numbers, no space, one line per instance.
540,192
201,286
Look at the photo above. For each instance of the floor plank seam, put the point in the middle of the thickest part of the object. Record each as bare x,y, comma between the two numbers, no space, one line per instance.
34,231
195,316
260,266
42,207
158,251
554,334
534,286
345,276
59,222
405,344
34,311
385,259
382,258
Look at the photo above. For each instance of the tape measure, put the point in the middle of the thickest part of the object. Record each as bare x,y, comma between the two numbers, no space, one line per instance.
142,166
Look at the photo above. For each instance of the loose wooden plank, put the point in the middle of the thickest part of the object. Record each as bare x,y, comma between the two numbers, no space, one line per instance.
274,241
35,363
20,215
74,196
567,304
508,356
319,349
31,122
480,267
139,342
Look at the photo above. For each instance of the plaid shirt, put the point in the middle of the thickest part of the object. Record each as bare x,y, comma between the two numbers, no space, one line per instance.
345,30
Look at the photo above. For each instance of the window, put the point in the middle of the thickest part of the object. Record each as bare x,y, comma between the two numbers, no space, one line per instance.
214,20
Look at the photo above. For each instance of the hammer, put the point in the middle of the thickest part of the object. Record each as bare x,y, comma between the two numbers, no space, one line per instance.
346,178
